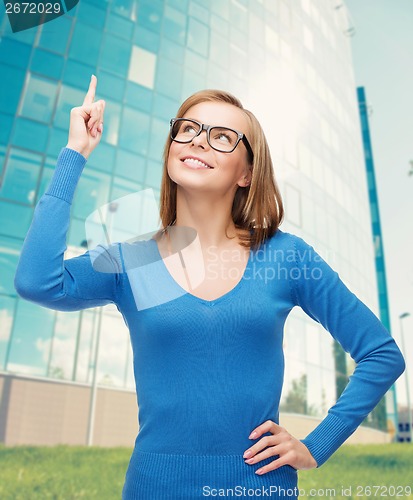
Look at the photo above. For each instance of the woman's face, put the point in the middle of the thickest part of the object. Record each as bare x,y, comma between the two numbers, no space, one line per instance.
228,169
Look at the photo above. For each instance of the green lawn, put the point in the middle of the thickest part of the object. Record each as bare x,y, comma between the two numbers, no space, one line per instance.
65,472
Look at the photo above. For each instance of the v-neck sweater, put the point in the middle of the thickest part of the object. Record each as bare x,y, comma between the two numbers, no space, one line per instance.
207,372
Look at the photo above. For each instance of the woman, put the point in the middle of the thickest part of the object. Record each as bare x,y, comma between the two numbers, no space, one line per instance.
208,354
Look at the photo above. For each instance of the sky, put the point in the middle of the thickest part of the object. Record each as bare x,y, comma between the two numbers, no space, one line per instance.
382,49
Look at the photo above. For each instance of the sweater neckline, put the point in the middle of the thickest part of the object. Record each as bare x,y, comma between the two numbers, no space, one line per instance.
199,299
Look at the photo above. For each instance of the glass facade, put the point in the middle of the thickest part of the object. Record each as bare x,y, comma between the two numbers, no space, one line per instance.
289,62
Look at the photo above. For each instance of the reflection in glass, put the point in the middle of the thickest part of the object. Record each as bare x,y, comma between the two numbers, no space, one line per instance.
31,338
39,98
20,180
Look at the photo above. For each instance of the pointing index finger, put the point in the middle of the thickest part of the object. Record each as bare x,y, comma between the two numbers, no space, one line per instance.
90,96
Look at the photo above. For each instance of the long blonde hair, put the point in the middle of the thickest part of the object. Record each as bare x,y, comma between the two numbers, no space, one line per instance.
257,207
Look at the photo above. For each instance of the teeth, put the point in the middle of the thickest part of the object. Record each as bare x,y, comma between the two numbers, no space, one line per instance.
198,162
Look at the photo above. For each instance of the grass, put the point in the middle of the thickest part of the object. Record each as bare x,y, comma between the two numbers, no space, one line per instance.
69,472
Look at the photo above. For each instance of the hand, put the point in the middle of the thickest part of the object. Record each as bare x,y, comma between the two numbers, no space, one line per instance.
291,451
86,122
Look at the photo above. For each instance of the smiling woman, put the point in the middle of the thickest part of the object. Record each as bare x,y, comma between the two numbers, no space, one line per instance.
206,303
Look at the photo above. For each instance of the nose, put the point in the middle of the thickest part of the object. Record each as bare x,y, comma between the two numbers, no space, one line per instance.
201,139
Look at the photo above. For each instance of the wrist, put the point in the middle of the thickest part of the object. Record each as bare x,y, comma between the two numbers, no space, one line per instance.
81,151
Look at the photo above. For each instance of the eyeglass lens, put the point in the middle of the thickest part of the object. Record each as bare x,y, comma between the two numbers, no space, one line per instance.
220,138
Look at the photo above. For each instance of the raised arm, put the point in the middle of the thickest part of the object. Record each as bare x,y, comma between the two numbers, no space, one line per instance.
42,275
320,292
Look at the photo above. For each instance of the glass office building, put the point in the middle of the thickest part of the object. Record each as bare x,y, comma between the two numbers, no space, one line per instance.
289,62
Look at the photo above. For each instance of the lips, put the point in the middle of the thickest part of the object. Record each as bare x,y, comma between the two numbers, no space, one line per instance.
195,162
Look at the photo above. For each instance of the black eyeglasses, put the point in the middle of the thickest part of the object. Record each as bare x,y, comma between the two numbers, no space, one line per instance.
221,139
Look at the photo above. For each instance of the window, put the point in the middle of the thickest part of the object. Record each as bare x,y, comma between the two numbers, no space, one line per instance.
9,256
7,305
109,85
87,53
91,15
146,39
20,179
198,37
165,108
47,64
103,157
38,99
130,165
134,131
142,67
12,79
150,16
78,75
119,26
91,192
112,120
58,140
138,97
174,25
168,78
6,123
31,338
14,53
69,97
158,136
30,135
55,35
219,52
115,55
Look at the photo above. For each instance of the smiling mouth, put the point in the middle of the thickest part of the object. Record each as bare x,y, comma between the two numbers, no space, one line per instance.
197,164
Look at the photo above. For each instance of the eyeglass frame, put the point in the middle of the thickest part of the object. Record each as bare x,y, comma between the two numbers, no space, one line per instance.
207,128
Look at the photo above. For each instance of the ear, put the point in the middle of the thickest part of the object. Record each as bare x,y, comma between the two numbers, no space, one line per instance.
245,180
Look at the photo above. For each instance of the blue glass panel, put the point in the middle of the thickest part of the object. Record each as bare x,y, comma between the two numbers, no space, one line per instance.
30,135
122,187
39,99
159,134
20,179
14,53
146,39
199,12
174,25
15,219
195,63
219,25
125,8
172,51
103,4
56,34
78,75
111,122
168,78
134,131
198,37
2,159
115,55
47,64
32,331
91,15
82,51
150,15
91,193
46,176
192,83
130,165
6,123
7,305
103,157
179,4
110,85
219,51
25,36
69,97
139,97
9,256
153,174
165,108
58,140
119,26
220,8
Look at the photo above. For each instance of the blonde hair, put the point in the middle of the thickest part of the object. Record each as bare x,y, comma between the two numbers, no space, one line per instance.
257,207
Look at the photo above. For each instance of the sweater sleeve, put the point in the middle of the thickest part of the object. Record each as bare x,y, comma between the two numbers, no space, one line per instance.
42,275
322,295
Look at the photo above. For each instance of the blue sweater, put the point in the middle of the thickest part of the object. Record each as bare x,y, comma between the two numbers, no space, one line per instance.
207,372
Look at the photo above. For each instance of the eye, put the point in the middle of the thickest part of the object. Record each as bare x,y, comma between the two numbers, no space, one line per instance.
223,137
189,128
